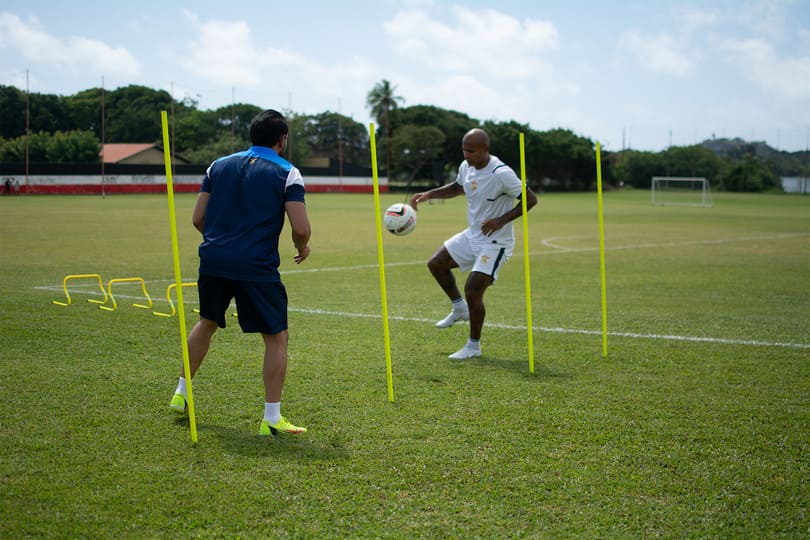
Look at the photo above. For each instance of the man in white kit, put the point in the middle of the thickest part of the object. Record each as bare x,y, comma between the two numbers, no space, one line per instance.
491,187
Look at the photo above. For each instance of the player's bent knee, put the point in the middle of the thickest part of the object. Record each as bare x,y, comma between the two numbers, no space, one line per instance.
441,261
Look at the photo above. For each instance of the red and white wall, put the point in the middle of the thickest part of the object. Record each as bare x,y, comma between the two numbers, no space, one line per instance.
92,184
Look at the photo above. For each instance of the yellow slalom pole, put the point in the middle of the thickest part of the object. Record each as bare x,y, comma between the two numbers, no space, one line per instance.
177,275
526,262
601,247
381,262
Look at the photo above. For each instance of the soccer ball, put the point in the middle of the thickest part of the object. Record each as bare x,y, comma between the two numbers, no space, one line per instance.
400,219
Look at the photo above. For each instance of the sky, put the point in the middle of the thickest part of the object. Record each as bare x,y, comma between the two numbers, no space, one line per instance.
642,74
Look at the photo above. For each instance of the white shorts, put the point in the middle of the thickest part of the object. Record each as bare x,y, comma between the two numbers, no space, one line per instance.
487,258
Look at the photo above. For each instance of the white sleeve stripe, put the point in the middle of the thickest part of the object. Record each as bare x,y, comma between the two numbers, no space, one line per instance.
294,177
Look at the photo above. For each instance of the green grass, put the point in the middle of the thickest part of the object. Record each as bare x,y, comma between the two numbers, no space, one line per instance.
664,437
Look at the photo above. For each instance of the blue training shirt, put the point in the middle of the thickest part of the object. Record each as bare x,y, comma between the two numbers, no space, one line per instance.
245,214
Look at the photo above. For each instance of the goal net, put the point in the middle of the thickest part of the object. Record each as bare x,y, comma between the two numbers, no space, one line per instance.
681,191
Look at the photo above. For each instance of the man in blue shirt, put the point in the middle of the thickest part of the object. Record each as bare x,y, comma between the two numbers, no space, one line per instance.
240,211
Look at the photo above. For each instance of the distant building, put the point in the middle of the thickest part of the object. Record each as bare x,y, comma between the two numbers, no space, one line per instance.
137,154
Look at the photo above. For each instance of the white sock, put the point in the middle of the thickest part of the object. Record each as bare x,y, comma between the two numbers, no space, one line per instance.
459,305
272,412
181,387
474,344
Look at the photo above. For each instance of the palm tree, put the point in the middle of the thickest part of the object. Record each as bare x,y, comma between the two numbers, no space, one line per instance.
381,100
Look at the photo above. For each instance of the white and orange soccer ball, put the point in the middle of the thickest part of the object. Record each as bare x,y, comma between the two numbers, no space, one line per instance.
400,219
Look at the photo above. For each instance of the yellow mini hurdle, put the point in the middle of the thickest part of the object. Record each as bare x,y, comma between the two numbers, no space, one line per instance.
169,298
81,276
126,280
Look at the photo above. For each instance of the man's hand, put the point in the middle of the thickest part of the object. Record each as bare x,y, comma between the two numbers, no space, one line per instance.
302,255
492,225
419,197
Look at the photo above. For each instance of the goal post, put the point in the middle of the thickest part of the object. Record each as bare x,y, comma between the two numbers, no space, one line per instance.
680,191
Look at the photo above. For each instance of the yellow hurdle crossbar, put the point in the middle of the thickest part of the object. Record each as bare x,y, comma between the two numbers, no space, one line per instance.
169,298
126,280
81,276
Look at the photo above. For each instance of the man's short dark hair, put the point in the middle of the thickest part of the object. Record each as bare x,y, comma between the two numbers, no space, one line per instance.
267,128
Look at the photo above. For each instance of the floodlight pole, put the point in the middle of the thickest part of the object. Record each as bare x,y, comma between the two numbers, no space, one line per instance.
103,194
27,127
340,146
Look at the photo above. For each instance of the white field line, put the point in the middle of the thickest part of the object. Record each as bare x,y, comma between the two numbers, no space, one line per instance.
557,330
549,242
698,339
558,249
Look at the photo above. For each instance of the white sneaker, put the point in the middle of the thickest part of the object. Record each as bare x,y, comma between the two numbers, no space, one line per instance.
465,352
450,320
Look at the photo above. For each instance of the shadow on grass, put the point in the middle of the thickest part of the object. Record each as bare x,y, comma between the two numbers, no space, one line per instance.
518,366
295,447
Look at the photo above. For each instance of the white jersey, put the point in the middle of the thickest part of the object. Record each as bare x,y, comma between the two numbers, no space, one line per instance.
491,192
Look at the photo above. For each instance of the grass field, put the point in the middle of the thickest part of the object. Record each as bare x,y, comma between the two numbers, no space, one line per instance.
696,424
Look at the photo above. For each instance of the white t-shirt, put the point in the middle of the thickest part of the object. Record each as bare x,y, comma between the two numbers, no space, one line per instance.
491,192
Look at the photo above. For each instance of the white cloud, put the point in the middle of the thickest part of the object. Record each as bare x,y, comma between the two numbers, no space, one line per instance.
462,93
660,53
693,19
804,41
478,41
353,78
485,63
766,17
227,55
788,77
224,53
75,52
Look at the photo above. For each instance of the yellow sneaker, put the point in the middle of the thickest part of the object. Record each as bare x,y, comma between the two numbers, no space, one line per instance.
283,426
178,404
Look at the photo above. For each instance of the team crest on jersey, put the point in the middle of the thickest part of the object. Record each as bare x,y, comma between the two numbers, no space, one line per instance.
474,185
484,259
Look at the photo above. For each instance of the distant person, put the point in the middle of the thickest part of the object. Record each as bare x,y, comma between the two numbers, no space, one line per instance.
491,187
16,187
7,185
240,212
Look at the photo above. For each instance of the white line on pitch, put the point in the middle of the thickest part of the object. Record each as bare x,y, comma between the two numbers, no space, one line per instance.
559,249
634,335
756,343
550,242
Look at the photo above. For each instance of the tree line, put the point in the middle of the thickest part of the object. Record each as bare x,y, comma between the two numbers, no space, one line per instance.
418,145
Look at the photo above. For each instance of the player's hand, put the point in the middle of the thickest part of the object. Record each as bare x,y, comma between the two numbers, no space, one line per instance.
491,225
417,198
302,255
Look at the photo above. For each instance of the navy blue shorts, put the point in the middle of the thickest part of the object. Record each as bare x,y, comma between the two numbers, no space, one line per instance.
261,305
